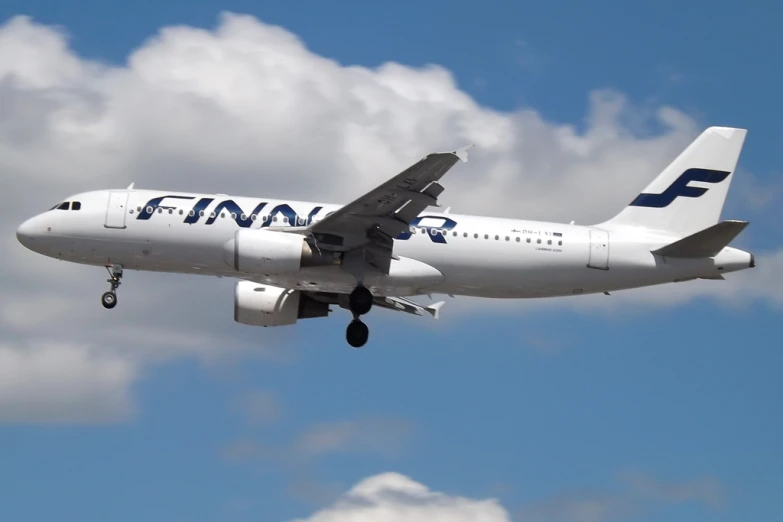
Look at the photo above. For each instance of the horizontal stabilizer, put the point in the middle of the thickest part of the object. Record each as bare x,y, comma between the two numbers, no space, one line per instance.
706,243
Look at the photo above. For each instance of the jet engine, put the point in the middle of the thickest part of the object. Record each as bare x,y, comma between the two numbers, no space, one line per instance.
267,252
263,305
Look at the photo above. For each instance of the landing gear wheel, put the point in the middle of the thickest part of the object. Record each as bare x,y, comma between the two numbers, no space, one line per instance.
360,300
357,333
109,300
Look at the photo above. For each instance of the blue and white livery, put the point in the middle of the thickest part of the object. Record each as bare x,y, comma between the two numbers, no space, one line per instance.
295,259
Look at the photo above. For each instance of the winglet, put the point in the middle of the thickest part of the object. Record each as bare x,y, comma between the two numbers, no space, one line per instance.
434,309
462,153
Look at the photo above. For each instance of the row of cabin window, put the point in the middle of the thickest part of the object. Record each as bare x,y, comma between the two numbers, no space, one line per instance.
68,205
201,213
486,236
253,217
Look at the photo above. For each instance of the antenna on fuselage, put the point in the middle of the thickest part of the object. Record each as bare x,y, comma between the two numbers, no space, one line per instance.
130,187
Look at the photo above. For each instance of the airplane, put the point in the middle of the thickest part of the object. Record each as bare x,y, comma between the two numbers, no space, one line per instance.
294,260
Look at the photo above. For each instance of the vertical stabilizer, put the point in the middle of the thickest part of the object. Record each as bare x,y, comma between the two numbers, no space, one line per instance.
688,196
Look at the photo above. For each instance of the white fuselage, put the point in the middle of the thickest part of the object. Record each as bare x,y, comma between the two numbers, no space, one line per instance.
444,254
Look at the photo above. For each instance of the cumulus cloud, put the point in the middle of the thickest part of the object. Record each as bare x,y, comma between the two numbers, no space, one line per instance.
391,497
247,108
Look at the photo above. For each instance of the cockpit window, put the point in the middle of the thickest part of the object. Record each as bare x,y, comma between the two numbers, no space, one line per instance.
68,205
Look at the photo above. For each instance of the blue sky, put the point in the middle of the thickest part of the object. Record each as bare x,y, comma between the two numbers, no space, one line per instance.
542,409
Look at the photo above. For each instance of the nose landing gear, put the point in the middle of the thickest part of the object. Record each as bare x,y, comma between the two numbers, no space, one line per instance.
109,299
359,302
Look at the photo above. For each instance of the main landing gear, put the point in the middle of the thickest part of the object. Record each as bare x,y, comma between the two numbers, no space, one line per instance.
109,299
359,302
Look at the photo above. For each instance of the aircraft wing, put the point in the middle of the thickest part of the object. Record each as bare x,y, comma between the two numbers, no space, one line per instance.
370,223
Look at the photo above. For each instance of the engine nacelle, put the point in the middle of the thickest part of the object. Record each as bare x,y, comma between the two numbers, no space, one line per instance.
263,305
268,252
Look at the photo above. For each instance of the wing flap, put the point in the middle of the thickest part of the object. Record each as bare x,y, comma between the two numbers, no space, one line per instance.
395,203
705,243
401,304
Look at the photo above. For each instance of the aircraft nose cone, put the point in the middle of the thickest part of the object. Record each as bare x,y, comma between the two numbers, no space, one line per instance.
28,232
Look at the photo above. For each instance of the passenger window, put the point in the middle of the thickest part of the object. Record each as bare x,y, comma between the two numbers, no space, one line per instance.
285,220
486,236
517,240
455,234
76,205
465,234
244,216
538,241
475,236
192,213
549,242
253,217
559,243
180,212
171,211
507,238
528,240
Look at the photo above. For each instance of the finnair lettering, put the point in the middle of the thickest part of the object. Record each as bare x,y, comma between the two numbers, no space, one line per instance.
433,226
241,217
433,232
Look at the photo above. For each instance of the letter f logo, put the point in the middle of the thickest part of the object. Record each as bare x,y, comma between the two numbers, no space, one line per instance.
680,188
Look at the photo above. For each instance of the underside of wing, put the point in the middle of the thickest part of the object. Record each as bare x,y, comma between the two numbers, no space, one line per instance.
398,304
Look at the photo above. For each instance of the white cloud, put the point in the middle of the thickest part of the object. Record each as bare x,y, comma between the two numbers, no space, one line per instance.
246,108
392,497
63,383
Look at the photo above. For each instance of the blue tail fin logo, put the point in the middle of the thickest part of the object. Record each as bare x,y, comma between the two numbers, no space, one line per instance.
680,188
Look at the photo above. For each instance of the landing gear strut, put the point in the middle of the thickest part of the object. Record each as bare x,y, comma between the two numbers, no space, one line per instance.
359,302
109,299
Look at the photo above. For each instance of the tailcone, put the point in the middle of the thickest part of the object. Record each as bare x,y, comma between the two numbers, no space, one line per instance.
733,259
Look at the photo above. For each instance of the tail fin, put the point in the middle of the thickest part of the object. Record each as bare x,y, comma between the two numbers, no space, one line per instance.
688,196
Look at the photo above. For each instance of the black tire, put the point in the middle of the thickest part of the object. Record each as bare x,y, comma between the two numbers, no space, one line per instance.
109,300
357,334
360,300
